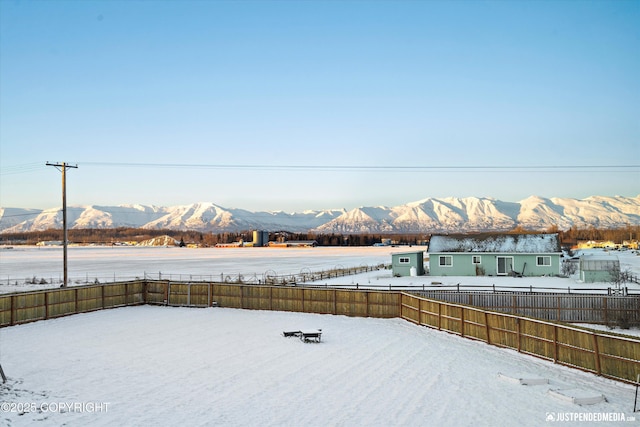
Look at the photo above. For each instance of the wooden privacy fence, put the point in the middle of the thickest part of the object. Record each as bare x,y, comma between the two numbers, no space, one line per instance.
347,302
608,355
30,306
570,308
27,307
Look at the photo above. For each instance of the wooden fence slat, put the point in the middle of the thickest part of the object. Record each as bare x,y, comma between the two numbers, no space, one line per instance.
555,343
596,354
486,326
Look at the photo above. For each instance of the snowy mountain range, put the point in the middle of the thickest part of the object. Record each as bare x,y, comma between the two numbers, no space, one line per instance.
430,215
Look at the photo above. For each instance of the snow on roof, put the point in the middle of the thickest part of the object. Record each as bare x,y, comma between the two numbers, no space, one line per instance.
503,243
598,257
407,253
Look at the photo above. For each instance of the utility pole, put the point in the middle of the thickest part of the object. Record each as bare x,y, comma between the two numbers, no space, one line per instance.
63,168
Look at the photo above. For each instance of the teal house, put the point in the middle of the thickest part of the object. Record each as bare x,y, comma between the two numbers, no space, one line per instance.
408,264
495,255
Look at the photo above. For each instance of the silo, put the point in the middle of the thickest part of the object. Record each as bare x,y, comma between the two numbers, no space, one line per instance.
260,238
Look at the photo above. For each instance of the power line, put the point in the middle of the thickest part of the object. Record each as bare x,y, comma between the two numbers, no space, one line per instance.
364,168
22,168
35,167
34,214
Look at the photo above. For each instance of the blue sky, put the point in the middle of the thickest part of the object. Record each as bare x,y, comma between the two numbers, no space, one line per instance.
294,105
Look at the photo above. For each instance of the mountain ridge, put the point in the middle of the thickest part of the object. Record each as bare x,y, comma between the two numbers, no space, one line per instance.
429,215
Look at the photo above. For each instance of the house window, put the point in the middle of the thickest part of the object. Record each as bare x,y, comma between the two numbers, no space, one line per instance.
543,261
475,259
446,260
404,260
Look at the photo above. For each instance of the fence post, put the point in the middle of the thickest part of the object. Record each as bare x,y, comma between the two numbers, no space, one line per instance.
596,353
46,305
420,311
555,344
462,321
487,328
606,311
13,308
366,301
439,316
518,334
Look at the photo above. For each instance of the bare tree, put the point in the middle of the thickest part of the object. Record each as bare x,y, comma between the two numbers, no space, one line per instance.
569,267
619,277
625,318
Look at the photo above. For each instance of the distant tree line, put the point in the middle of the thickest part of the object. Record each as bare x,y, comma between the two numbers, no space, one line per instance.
616,235
125,234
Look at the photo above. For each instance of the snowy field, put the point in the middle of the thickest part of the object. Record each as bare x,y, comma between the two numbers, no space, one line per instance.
43,265
168,366
87,263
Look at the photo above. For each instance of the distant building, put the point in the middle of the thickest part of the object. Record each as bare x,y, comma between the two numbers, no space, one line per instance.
599,268
294,243
591,244
495,255
50,243
260,238
384,242
408,263
229,245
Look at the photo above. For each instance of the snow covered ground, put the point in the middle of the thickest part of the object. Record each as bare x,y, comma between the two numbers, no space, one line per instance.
87,263
167,366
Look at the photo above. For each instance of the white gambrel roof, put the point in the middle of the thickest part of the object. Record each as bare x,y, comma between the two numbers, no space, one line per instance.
498,243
